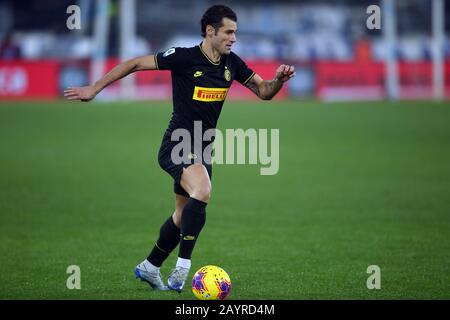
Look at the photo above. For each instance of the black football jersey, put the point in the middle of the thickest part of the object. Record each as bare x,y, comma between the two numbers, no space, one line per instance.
199,85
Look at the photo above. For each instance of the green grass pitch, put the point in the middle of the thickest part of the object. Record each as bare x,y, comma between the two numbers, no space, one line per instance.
359,184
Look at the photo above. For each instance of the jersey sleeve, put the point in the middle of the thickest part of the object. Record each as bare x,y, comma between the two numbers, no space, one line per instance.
243,72
172,59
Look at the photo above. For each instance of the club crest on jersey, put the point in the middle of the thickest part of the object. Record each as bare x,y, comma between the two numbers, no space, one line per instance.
209,94
227,75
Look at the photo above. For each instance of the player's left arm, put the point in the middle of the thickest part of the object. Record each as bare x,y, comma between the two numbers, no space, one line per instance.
267,89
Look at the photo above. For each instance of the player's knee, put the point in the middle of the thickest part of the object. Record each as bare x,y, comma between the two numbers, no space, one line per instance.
202,192
176,217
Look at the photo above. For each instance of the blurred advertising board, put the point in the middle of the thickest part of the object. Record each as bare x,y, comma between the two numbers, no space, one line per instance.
29,79
365,80
325,80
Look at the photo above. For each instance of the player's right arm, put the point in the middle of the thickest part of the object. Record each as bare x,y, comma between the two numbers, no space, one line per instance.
123,69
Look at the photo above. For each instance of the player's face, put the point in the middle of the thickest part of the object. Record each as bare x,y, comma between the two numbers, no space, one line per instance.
225,37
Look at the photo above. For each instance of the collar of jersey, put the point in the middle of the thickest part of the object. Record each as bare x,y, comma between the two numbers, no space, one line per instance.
204,53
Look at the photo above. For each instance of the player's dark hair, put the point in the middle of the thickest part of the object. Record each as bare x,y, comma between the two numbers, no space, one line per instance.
214,15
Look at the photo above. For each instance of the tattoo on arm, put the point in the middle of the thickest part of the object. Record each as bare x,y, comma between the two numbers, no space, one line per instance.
271,88
267,89
253,86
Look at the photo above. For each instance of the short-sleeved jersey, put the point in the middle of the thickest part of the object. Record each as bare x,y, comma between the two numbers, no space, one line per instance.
199,85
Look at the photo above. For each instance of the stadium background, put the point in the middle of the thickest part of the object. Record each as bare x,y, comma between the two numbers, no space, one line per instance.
364,151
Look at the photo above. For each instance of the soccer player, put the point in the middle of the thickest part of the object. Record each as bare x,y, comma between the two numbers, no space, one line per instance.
201,77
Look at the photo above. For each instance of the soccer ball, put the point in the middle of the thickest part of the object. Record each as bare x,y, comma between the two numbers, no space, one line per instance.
211,283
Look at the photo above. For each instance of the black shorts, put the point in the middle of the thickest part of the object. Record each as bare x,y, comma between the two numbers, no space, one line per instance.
175,170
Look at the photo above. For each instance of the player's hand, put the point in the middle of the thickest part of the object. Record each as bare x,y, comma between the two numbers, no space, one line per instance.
80,93
285,72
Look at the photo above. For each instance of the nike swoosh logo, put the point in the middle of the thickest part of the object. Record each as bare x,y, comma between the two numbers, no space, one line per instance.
198,74
189,238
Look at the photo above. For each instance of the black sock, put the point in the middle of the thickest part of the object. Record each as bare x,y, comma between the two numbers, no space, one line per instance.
169,237
192,222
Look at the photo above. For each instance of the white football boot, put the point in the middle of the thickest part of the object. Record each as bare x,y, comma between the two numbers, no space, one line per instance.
177,278
153,278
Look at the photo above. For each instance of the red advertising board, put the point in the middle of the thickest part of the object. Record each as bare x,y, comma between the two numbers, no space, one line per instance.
365,81
349,80
333,80
29,80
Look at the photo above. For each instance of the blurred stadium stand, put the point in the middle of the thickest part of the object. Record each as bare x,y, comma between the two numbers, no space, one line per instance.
327,40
